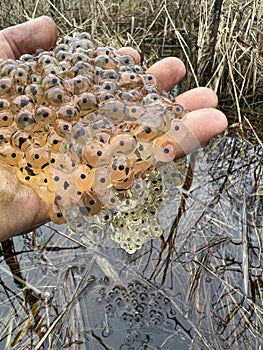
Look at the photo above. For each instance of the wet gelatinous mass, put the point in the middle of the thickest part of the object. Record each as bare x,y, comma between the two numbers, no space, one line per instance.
87,129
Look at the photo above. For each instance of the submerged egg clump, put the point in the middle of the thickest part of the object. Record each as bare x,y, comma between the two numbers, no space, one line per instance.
87,129
144,315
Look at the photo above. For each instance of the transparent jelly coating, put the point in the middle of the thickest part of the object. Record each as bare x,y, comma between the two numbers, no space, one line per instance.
144,314
86,129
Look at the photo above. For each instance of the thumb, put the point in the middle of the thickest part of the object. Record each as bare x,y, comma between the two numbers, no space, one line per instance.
27,37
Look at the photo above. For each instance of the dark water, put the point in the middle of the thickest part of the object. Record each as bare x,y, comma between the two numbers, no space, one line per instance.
198,286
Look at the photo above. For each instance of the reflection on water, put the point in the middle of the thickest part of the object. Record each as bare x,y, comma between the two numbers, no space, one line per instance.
198,286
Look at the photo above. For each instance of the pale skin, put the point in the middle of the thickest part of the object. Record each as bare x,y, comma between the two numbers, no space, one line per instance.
21,210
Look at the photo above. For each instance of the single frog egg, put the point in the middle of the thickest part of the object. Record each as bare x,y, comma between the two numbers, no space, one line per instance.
25,120
10,155
61,47
104,217
138,69
139,188
68,112
110,199
51,80
68,39
6,86
128,246
96,232
104,62
56,96
135,111
45,59
165,149
37,157
20,76
87,102
123,143
66,159
109,86
127,204
84,178
178,130
53,141
62,127
80,134
149,79
146,132
91,203
101,180
35,78
36,92
45,115
20,90
20,102
121,173
114,111
125,60
178,110
155,229
82,83
130,80
65,67
6,119
95,154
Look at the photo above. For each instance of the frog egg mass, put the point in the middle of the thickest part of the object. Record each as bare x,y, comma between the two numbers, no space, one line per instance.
87,129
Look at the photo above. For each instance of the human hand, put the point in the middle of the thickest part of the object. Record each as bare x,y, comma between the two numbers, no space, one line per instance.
21,210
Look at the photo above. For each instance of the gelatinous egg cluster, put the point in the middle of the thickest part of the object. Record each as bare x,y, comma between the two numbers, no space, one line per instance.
86,128
140,311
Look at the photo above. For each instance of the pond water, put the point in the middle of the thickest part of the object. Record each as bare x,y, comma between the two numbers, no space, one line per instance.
197,286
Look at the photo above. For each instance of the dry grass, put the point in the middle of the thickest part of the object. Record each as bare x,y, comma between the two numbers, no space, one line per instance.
210,260
221,42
